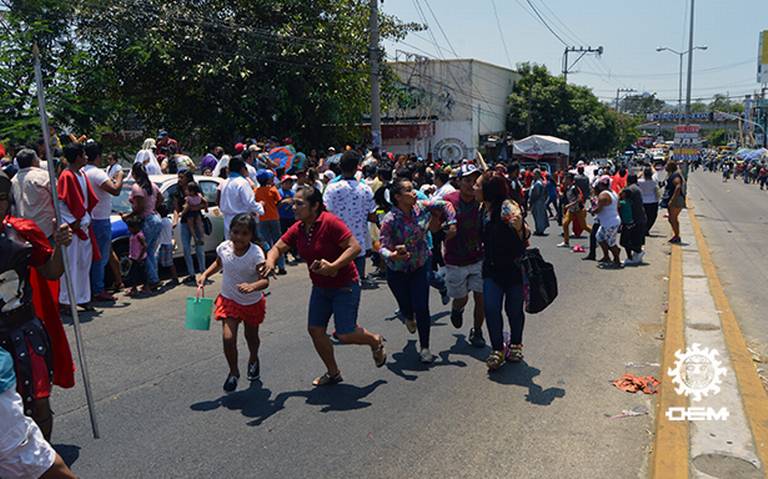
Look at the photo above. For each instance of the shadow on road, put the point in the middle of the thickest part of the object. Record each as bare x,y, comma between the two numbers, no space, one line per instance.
255,401
68,452
521,374
408,360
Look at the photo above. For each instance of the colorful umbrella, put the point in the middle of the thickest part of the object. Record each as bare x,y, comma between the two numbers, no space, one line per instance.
282,157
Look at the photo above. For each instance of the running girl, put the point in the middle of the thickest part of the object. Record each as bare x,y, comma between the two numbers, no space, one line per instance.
241,298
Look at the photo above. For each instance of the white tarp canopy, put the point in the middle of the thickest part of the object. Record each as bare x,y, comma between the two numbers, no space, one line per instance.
540,145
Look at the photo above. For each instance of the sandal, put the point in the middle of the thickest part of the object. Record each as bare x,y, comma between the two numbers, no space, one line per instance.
515,353
379,353
327,380
495,360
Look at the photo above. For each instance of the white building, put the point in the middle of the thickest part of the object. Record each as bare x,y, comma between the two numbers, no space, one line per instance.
445,107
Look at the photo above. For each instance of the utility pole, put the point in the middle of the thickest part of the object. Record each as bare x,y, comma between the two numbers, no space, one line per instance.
620,91
690,63
373,56
583,51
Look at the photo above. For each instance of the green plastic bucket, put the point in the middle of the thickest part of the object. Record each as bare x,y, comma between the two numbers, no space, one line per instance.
199,312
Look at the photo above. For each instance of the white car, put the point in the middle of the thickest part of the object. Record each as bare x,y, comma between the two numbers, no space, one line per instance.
167,184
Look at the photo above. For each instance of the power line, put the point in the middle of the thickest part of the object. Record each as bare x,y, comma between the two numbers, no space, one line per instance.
501,33
543,22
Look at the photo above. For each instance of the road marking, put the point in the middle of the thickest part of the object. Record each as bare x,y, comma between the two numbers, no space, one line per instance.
753,395
670,451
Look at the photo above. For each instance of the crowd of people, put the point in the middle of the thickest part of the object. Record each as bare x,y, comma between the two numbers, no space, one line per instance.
749,172
459,229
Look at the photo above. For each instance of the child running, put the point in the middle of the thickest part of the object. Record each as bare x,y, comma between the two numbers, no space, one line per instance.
241,298
194,203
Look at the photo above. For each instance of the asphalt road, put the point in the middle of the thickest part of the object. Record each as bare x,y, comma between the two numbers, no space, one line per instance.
162,411
734,220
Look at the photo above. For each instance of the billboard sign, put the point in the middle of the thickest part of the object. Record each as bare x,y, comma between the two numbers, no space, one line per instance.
687,142
762,58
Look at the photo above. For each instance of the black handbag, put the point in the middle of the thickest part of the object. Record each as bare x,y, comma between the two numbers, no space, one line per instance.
542,281
207,226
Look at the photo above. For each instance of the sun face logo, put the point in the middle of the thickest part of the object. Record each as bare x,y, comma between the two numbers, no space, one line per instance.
697,372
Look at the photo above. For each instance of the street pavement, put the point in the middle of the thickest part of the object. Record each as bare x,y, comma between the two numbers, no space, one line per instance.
734,219
162,412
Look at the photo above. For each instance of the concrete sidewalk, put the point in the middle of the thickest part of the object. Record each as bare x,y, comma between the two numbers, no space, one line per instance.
712,412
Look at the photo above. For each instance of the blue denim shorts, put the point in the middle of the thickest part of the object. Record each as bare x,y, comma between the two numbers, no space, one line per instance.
342,303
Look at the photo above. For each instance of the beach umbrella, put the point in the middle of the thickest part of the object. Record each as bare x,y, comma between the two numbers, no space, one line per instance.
282,157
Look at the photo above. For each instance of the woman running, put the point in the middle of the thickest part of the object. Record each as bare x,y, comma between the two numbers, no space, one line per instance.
505,235
329,249
406,254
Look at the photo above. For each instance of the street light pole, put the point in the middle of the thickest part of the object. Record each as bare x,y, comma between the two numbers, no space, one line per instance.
373,55
680,76
690,63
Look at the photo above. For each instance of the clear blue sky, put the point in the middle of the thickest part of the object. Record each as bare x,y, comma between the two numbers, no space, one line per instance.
629,32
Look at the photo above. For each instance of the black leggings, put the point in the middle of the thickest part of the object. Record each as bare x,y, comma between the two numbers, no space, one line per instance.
411,291
651,212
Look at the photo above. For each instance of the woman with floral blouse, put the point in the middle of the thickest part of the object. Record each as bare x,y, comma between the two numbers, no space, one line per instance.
406,254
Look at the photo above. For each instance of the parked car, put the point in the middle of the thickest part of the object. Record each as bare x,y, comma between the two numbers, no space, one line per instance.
167,184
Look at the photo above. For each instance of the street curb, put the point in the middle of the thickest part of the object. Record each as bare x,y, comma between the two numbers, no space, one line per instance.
753,395
671,440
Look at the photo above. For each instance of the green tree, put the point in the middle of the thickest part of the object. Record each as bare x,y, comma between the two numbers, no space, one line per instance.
641,104
718,137
541,103
210,71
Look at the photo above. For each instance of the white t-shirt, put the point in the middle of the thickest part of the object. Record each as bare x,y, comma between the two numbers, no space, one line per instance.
166,231
240,269
352,201
98,177
113,170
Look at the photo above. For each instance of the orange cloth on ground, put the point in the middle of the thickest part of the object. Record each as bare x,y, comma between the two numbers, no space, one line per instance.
271,197
631,384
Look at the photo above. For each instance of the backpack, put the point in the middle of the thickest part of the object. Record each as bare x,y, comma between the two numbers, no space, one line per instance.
542,281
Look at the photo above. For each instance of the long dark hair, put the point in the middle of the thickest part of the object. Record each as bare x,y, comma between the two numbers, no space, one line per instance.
495,191
396,188
139,174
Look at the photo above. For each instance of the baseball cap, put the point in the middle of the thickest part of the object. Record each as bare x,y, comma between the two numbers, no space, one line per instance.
239,147
466,169
162,134
580,164
288,178
263,175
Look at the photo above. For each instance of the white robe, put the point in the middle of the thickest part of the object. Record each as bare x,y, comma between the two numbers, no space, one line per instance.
79,255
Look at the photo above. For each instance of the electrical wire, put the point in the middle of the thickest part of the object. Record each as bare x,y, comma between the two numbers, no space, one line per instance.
501,33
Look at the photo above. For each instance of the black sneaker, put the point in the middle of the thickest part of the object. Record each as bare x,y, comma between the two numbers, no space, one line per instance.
254,371
476,338
457,318
231,383
281,272
191,279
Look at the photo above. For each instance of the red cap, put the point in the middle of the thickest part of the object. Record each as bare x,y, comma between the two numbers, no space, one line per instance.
239,147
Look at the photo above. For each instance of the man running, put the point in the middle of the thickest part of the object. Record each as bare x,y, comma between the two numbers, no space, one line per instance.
463,254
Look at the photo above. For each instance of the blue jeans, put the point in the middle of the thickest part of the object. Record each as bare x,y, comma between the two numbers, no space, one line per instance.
186,245
102,232
151,230
411,291
342,303
511,298
269,232
360,265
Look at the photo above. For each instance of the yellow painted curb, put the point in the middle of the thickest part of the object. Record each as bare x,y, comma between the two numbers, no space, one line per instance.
753,394
670,450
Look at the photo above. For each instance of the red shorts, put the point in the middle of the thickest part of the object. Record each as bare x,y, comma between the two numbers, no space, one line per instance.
251,314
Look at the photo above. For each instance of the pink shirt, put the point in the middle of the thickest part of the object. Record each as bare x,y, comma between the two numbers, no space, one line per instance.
134,247
149,201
